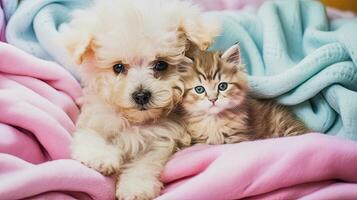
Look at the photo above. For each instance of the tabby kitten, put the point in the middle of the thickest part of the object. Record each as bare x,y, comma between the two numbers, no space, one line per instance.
218,109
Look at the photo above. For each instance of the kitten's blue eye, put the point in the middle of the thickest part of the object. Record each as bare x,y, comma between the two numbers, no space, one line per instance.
222,86
119,68
199,89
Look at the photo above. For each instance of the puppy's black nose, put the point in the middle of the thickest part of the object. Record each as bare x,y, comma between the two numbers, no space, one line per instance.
141,97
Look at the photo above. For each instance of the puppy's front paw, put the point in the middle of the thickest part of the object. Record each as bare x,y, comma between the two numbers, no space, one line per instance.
137,188
103,161
103,158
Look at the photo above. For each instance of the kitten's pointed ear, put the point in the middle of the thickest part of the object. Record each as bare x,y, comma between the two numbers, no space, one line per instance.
232,55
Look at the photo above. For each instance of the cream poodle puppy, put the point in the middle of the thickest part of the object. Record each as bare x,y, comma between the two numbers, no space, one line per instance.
129,53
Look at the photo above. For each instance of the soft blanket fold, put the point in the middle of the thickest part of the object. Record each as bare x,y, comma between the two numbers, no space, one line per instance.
9,7
312,166
2,24
37,117
33,26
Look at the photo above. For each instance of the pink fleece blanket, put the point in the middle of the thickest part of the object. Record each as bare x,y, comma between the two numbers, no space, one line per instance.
310,167
37,116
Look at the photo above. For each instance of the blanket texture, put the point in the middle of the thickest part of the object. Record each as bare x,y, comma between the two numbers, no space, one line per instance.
33,26
9,7
309,167
2,24
294,54
37,118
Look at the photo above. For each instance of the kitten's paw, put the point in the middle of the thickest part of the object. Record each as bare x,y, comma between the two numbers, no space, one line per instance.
137,188
105,160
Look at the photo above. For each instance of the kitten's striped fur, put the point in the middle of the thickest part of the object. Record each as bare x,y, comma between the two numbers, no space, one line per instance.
240,117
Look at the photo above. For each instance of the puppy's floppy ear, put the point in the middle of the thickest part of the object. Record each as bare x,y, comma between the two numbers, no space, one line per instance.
186,65
80,48
199,30
232,55
77,36
192,51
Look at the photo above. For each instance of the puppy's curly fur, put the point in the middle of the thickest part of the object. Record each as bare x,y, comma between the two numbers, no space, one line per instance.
114,133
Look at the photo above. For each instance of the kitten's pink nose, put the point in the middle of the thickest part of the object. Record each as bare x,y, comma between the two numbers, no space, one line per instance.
213,100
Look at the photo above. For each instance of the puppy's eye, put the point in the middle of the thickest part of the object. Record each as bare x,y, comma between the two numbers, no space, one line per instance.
161,66
222,86
118,68
199,89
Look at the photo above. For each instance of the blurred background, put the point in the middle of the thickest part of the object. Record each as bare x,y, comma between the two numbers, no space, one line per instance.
350,5
335,8
341,5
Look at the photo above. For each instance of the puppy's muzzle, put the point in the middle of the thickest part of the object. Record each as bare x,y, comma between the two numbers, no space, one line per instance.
141,97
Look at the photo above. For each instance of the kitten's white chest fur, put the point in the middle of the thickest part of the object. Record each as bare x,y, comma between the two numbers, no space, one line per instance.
210,127
216,129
